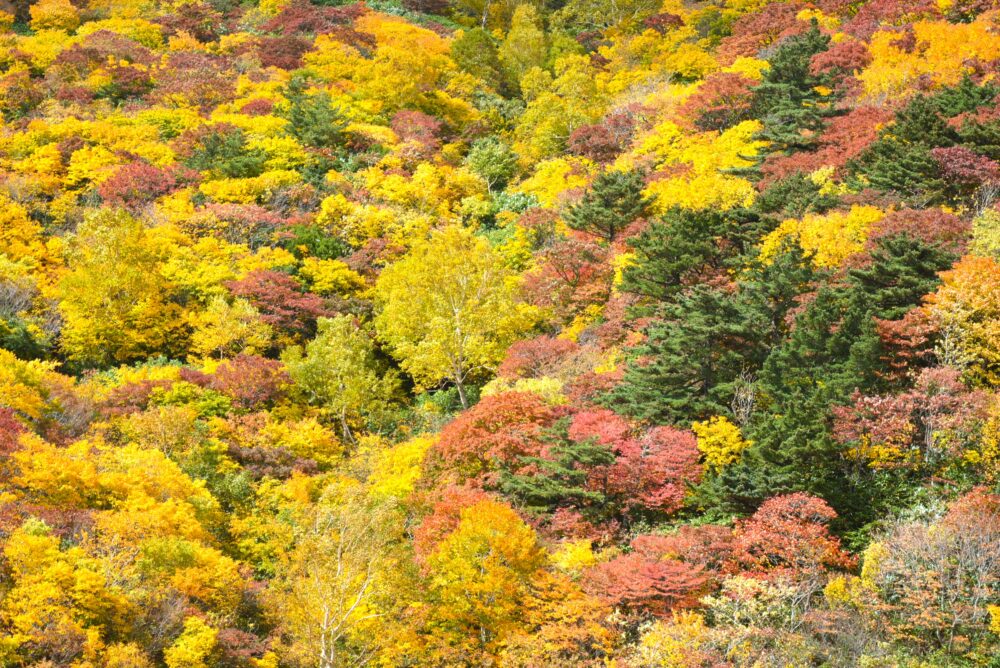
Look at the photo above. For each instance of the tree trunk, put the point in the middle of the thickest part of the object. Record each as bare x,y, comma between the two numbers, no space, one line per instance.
461,394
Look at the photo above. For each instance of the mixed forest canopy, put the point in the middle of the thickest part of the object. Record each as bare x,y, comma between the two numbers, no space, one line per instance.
521,333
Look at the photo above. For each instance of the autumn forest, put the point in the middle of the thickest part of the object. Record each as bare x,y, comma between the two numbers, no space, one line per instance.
499,333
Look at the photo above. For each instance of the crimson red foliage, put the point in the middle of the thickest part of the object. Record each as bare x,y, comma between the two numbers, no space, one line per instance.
907,343
499,429
427,6
721,101
572,274
569,523
601,425
975,511
645,581
844,58
280,300
932,226
249,224
754,31
109,44
655,471
198,19
422,131
875,14
707,545
604,141
131,397
535,358
253,381
846,137
139,183
259,107
239,648
663,23
588,386
964,168
10,432
205,79
284,52
789,536
938,404
303,18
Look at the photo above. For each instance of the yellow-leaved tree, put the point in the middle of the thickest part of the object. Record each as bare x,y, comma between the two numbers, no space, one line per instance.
449,309
116,305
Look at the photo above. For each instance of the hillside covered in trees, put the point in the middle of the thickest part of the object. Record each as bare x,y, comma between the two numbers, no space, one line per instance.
521,333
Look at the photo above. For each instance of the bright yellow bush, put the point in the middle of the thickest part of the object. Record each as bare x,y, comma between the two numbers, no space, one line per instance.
831,237
330,277
54,15
252,190
143,31
943,53
720,441
396,469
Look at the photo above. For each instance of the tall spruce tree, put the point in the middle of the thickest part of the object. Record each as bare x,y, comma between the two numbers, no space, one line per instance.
788,101
695,351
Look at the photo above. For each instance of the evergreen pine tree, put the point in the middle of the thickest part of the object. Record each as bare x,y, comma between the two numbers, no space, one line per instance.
694,353
560,479
686,243
312,117
612,203
787,102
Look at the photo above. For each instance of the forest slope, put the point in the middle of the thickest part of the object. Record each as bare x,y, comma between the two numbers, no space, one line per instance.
500,333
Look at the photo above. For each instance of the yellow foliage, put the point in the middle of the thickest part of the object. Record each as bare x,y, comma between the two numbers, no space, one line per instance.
751,68
20,237
330,277
43,46
574,556
306,438
193,647
125,655
553,177
966,308
943,53
673,643
699,160
226,329
396,470
449,306
581,321
987,457
844,590
831,237
994,611
432,189
53,593
720,441
283,152
252,190
549,389
142,31
90,165
54,15
871,564
702,191
824,21
23,384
